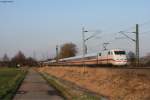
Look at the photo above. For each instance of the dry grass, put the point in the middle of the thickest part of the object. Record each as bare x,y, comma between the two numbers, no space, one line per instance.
116,84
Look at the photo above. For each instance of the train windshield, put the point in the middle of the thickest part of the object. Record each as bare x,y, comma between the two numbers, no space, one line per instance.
119,52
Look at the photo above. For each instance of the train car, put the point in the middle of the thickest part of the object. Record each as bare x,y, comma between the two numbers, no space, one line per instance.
111,57
108,57
79,60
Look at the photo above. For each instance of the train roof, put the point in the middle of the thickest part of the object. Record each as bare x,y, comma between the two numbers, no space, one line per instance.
88,55
80,56
117,50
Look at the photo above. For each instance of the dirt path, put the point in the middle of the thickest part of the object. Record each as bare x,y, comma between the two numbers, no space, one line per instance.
34,87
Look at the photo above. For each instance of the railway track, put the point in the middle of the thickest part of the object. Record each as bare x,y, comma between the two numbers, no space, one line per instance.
123,67
101,66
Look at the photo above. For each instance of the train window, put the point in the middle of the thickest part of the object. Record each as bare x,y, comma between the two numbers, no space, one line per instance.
109,53
119,52
99,54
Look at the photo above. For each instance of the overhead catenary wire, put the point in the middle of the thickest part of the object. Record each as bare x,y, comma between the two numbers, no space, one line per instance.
132,27
145,32
145,23
112,39
125,30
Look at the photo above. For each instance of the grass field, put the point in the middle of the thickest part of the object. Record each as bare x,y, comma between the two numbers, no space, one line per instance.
10,78
115,84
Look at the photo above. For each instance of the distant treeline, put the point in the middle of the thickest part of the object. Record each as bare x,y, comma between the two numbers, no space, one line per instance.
144,61
18,60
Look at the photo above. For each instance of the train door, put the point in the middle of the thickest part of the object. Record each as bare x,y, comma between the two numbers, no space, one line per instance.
99,58
109,57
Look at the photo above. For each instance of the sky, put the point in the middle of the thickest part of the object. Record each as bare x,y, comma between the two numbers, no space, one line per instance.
36,26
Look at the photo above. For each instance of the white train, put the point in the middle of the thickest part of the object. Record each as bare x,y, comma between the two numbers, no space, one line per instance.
110,57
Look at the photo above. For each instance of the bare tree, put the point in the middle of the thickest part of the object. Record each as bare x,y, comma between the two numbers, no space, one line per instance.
31,61
5,58
146,60
131,57
68,50
5,61
19,58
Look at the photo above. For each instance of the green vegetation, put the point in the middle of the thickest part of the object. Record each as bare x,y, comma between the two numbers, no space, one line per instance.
10,79
68,91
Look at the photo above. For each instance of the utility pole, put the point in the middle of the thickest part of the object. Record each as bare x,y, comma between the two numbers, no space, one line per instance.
57,54
83,48
86,49
83,41
137,45
136,40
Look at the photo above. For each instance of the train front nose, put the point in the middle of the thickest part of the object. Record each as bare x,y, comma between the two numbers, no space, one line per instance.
120,61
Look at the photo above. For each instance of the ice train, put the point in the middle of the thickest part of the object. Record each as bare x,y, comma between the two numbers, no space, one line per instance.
107,57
